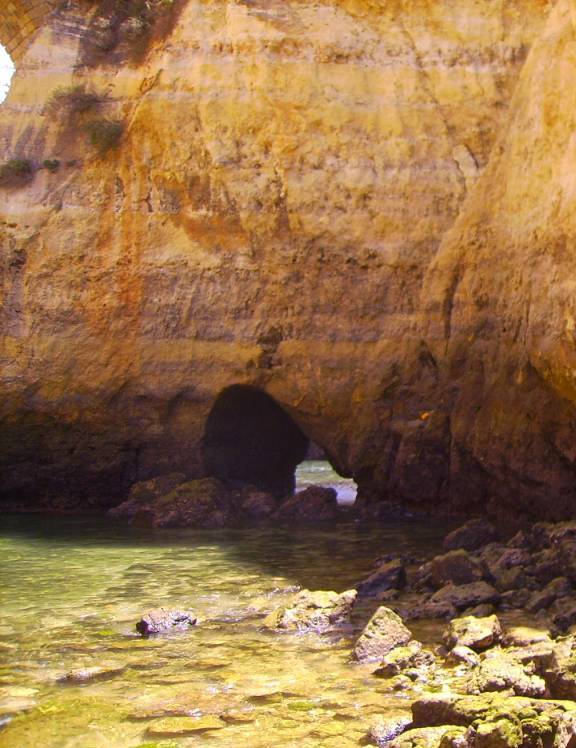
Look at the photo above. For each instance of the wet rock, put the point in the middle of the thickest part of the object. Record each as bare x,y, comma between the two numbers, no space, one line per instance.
384,729
512,579
206,502
146,492
162,620
564,613
388,576
466,595
515,599
524,636
384,632
560,670
460,655
314,504
447,736
173,727
421,579
313,611
501,672
435,609
457,567
256,504
498,733
96,673
554,590
553,721
400,659
476,633
471,536
480,611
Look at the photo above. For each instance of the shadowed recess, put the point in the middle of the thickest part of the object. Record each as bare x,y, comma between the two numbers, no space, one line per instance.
249,438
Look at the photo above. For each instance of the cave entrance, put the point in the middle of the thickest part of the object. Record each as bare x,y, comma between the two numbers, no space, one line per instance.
6,73
250,439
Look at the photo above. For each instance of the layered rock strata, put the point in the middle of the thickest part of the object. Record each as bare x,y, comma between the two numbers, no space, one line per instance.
299,203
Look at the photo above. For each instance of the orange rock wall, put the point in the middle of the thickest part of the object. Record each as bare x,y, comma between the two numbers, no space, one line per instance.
281,212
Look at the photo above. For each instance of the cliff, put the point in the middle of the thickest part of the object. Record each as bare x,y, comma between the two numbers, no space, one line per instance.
359,208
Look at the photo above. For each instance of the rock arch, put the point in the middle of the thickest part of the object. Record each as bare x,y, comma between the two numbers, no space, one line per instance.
249,438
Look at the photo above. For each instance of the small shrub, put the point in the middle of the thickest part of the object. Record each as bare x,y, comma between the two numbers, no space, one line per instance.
73,102
51,164
17,172
104,134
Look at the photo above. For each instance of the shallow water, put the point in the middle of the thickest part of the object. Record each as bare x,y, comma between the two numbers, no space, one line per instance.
72,589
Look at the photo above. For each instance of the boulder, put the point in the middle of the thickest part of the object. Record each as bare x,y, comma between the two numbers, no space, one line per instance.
564,613
457,567
476,633
384,729
462,656
554,590
560,670
313,611
388,576
314,504
145,492
471,536
402,658
384,632
255,504
206,502
447,736
466,595
524,636
502,732
501,672
542,722
162,620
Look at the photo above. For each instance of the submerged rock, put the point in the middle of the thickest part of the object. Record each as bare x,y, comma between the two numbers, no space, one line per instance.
384,632
475,633
314,504
390,575
98,672
471,536
161,620
313,611
182,726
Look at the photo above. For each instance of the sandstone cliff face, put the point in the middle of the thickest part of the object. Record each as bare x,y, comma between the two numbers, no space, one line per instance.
295,206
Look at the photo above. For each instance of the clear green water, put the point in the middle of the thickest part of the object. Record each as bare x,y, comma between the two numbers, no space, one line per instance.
72,589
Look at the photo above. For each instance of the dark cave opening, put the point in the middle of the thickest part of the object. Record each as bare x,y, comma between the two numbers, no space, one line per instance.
250,439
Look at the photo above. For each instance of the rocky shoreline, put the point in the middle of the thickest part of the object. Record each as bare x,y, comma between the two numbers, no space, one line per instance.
484,683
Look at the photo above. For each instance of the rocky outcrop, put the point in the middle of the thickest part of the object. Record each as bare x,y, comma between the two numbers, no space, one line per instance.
384,632
161,620
313,611
364,211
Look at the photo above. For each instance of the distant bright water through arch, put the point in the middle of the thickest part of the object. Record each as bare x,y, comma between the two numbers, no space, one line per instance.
6,72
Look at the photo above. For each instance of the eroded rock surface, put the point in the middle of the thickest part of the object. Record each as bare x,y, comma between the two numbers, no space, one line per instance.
332,224
313,611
